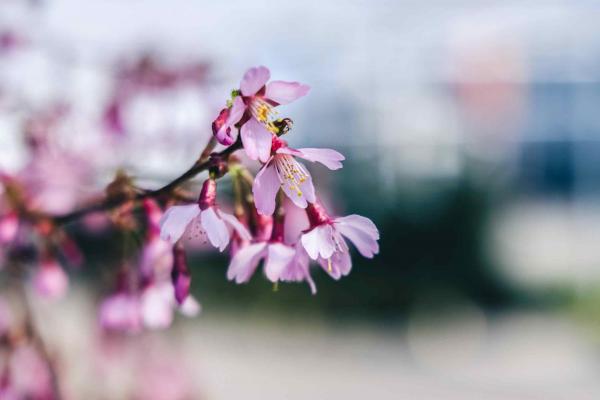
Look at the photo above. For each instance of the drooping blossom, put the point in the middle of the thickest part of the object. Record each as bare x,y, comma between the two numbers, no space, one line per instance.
324,240
205,217
121,312
253,111
28,375
282,261
50,280
283,171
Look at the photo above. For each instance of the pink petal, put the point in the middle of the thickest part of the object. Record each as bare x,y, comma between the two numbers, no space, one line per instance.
278,258
244,263
329,158
319,242
359,222
298,269
265,188
361,231
157,258
283,92
256,140
175,221
215,228
341,264
254,79
237,111
296,222
306,193
157,306
236,225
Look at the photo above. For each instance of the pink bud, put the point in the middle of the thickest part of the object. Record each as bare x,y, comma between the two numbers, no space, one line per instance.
218,124
180,275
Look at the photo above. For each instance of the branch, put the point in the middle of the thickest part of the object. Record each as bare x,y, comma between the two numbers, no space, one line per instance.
205,161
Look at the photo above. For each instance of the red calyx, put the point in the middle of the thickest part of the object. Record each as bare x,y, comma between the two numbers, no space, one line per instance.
317,215
208,194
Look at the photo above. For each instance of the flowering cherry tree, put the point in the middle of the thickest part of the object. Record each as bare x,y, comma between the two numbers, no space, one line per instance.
278,221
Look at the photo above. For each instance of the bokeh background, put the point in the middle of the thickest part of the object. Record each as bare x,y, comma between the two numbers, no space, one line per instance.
471,131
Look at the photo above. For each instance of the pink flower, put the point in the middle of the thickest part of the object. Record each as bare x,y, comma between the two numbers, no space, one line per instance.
121,312
29,374
324,240
156,306
50,280
282,262
252,109
283,171
204,217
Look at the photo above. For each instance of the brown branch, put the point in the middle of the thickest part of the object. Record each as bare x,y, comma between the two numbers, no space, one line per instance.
205,161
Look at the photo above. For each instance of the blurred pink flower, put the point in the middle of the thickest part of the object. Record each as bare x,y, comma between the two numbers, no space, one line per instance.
253,107
324,240
283,171
53,180
202,218
50,280
157,305
30,376
121,312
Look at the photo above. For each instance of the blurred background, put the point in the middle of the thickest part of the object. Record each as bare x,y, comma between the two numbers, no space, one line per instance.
471,132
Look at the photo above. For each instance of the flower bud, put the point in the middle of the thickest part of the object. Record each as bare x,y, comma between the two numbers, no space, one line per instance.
223,137
180,275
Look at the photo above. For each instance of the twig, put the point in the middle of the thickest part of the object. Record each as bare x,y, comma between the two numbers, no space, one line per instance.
205,161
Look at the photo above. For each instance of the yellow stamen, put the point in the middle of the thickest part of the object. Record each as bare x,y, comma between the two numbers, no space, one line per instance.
329,268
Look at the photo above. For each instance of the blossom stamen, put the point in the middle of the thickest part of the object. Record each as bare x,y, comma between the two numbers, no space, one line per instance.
290,172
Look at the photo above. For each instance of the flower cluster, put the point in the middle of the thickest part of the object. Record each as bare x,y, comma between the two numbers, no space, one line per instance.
277,219
260,229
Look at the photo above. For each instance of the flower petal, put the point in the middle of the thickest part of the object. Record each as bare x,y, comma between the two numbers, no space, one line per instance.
278,258
283,92
175,220
298,269
256,140
295,223
328,157
244,263
265,188
254,79
237,111
157,306
338,265
359,222
215,228
361,231
318,242
236,225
